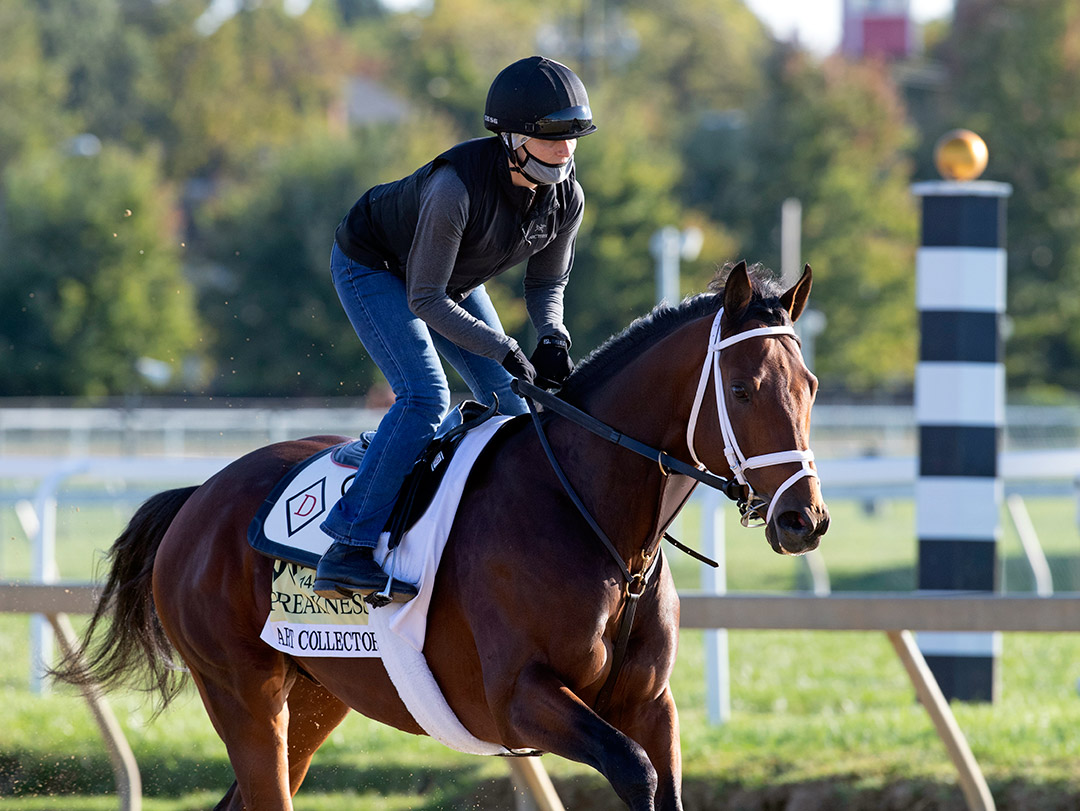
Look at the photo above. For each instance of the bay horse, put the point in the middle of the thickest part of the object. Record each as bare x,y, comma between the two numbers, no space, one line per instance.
527,602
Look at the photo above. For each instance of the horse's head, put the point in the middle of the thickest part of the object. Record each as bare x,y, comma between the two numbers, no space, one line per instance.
763,397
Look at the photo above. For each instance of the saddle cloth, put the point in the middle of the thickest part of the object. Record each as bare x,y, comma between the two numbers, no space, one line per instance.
287,523
288,529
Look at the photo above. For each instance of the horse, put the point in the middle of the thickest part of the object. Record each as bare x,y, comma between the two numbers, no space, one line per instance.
527,604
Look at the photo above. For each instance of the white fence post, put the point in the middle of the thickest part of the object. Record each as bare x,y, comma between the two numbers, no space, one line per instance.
41,526
714,581
44,569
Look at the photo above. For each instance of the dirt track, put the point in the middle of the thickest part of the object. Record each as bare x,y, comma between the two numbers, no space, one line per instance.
830,796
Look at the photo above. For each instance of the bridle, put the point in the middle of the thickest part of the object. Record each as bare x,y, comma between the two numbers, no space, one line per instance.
750,504
738,462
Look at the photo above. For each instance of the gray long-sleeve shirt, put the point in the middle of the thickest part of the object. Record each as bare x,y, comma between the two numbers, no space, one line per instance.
444,213
458,221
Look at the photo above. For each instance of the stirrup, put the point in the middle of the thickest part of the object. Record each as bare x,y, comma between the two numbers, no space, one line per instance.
378,599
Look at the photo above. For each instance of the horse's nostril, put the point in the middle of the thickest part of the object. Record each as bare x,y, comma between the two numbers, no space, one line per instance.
796,522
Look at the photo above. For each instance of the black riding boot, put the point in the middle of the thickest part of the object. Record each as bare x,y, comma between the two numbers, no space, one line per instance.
345,569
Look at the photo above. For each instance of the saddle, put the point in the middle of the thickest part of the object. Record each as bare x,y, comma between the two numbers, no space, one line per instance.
427,473
286,526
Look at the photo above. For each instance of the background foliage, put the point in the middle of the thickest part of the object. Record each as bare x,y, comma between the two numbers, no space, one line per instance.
234,142
1026,108
92,276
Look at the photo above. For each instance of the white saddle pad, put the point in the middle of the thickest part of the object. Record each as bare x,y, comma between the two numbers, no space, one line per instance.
303,624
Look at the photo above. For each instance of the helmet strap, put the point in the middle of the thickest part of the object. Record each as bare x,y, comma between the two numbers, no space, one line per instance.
507,139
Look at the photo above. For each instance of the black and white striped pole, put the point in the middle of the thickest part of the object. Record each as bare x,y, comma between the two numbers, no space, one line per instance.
960,401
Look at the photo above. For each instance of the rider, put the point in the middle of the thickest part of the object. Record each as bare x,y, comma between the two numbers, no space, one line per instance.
408,263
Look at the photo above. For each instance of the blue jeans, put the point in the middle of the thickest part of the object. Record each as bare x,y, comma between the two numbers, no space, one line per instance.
407,352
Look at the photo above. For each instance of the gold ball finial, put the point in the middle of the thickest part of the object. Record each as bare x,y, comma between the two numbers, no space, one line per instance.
960,155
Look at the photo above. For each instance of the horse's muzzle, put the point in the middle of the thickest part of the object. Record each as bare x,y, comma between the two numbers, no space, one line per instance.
796,532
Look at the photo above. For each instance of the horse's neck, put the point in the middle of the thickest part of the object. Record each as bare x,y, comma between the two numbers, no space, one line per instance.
649,400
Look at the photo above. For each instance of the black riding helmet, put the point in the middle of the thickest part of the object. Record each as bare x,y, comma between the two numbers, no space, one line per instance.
539,98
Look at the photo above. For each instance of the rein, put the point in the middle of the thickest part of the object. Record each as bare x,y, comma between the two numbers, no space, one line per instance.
730,488
737,489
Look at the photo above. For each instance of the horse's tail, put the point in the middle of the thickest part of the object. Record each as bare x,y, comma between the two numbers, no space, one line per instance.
131,648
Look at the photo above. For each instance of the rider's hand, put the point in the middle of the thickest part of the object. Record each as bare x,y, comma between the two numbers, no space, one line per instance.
552,360
519,366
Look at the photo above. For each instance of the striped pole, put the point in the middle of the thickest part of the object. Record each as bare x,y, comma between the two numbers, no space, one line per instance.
960,413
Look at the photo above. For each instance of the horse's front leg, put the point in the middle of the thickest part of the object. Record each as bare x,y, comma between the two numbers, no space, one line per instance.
655,725
543,713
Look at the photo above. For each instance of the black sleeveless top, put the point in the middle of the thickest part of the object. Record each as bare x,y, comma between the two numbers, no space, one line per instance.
506,225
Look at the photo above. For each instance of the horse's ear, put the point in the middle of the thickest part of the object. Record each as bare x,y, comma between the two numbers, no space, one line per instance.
737,291
794,300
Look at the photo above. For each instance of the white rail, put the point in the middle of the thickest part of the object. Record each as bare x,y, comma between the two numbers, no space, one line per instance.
895,614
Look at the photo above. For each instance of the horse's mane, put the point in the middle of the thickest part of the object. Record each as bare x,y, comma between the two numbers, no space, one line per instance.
606,360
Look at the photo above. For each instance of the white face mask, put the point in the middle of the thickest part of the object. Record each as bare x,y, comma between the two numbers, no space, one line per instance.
534,169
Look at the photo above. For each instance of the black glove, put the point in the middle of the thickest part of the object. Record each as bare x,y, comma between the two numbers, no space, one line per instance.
552,360
518,365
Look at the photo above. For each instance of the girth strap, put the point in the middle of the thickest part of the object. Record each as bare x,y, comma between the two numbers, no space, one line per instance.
622,642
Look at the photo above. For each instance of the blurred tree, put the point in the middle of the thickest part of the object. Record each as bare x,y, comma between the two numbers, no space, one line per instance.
260,81
684,58
628,186
279,328
1027,108
105,53
448,58
834,136
31,86
692,131
353,12
90,277
705,54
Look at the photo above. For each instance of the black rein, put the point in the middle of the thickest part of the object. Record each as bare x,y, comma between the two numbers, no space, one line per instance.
635,583
729,487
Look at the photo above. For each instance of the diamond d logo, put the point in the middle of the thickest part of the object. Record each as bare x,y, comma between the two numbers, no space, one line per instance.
307,505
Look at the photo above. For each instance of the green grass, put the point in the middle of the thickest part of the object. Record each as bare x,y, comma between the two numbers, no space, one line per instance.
831,712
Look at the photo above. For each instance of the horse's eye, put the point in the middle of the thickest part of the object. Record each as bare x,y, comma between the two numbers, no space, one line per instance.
740,393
